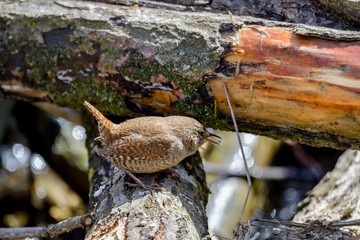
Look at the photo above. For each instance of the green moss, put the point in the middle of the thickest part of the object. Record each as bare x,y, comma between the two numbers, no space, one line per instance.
188,166
136,69
90,174
204,114
199,185
93,212
204,192
319,139
42,62
109,54
107,98
42,70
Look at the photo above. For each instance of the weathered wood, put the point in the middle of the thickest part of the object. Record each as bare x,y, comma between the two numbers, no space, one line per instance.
334,198
51,231
346,9
132,60
304,11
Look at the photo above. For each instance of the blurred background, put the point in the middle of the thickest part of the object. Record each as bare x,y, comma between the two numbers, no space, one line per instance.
44,180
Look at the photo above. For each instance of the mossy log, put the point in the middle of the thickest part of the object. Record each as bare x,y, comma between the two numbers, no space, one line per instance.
285,80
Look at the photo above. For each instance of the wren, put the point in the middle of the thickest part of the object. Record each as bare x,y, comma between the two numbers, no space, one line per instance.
149,144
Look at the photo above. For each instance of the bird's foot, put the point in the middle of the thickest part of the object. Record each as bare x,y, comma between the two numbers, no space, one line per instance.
146,187
141,184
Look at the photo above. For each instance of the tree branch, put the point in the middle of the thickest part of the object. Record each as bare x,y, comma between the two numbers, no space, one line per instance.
285,80
50,231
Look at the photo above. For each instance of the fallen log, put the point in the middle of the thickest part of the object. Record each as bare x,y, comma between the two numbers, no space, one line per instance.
285,80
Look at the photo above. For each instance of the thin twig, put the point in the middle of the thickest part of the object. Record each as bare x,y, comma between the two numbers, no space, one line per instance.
49,231
278,223
217,236
266,173
255,236
355,222
321,223
237,227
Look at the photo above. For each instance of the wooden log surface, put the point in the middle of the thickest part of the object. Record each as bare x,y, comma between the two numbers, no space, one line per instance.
335,197
334,200
292,81
284,79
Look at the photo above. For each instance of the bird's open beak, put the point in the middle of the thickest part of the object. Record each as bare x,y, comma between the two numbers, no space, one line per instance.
213,138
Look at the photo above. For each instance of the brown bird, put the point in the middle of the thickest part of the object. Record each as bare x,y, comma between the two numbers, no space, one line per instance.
149,144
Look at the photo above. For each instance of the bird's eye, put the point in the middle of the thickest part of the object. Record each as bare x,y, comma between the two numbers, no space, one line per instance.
194,136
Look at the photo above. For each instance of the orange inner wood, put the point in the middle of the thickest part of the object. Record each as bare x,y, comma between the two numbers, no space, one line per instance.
294,81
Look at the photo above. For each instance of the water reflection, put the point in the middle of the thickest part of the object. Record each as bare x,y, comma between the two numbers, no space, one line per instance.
37,163
79,133
220,204
291,195
15,157
285,213
21,152
249,140
273,213
227,197
71,143
41,192
257,172
237,164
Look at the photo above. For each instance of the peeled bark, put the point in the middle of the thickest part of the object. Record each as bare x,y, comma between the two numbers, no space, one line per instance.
293,82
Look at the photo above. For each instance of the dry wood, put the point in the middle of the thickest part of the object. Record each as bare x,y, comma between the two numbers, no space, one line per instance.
293,81
335,197
50,231
332,206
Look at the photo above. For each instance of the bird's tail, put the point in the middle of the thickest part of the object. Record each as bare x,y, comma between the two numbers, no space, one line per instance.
104,124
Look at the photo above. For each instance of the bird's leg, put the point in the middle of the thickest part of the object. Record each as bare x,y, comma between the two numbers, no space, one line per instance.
141,184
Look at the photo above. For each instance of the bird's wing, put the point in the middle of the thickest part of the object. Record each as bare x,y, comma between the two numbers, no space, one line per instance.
141,125
139,148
